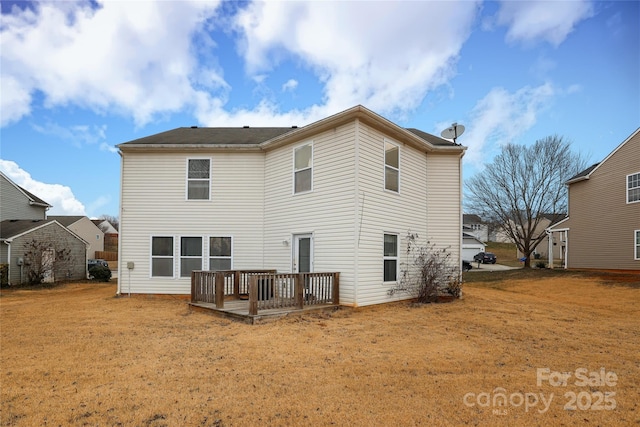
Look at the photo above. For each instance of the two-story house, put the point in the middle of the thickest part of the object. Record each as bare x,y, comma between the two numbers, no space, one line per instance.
85,228
27,237
602,230
339,194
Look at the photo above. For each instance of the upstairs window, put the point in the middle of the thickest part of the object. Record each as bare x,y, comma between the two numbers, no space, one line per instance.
303,168
161,256
220,253
391,167
390,257
190,255
633,188
198,179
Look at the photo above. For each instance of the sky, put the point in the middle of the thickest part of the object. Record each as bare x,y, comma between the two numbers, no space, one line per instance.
78,78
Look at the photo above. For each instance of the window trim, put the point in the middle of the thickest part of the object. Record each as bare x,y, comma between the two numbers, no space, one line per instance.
628,190
172,256
187,179
181,257
385,166
636,244
209,256
295,148
395,258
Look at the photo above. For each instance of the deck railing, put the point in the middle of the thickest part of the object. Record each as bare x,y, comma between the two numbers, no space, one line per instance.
266,289
204,284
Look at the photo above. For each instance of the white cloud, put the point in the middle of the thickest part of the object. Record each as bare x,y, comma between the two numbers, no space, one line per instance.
59,196
290,85
385,55
501,117
135,58
533,20
76,134
109,148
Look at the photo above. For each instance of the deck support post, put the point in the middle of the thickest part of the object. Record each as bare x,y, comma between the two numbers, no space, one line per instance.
236,284
335,292
298,286
193,286
253,295
219,283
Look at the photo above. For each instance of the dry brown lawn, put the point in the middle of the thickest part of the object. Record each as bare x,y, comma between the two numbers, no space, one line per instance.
76,355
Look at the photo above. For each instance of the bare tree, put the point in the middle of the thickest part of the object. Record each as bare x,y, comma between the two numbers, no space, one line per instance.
523,183
113,220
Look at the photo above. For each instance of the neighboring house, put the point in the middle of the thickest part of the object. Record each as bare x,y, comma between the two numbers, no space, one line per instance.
471,245
49,236
602,230
541,251
105,226
85,228
476,227
338,195
18,203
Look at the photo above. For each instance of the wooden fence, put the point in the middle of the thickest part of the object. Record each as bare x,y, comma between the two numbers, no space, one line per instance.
266,289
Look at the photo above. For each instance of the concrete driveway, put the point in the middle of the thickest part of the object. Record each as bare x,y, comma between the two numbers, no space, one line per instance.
491,267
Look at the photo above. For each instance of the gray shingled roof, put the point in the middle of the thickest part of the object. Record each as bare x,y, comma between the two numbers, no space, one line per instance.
240,136
223,136
11,228
584,173
66,220
435,140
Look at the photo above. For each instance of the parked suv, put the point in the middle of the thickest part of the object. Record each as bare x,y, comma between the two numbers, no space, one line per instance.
95,262
485,258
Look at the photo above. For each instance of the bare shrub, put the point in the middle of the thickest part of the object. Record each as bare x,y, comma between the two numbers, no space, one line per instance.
428,272
44,261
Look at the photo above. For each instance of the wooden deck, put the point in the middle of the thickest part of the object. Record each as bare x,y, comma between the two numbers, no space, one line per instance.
258,295
239,310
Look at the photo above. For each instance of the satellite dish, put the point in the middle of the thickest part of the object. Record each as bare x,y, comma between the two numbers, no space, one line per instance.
453,132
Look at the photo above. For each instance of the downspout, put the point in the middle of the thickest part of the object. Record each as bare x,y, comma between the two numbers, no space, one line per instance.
550,247
118,290
460,219
357,211
8,243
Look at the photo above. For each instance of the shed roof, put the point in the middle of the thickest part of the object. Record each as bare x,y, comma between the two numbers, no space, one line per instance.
14,227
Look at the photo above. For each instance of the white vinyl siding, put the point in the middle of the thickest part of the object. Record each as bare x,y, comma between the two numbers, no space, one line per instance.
303,168
162,256
327,211
435,219
391,166
633,188
198,179
153,204
220,253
